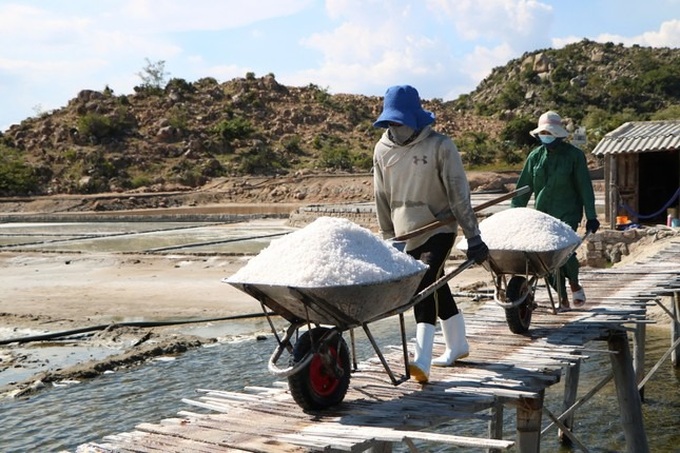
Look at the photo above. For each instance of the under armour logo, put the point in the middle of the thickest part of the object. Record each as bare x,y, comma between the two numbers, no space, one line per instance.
416,159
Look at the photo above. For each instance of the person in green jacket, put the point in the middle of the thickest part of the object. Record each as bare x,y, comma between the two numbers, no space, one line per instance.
556,172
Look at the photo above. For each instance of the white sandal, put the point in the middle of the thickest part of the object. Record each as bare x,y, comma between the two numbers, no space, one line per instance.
579,297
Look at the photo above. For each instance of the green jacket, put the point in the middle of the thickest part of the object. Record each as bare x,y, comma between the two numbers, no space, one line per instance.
560,180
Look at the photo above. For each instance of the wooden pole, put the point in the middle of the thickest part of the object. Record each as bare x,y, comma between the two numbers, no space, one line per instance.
529,412
380,447
639,338
675,328
630,405
611,210
571,378
496,424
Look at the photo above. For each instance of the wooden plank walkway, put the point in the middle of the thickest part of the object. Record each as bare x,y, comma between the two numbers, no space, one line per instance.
503,370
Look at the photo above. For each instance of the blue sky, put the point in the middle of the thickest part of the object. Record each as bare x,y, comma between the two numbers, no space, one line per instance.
52,49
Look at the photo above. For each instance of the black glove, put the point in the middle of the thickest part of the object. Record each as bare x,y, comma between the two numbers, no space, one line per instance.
477,250
592,225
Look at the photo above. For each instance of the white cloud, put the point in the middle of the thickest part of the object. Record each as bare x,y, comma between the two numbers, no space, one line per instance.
59,48
668,35
377,43
479,63
176,15
510,21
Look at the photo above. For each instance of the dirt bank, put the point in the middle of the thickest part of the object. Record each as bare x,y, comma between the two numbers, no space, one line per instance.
294,191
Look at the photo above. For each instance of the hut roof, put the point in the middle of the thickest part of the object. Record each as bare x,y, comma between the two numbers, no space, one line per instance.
641,137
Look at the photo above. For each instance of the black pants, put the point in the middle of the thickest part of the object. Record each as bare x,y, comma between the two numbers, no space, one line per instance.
435,252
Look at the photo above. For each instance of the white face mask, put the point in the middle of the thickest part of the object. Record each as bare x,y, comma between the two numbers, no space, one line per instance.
400,134
546,139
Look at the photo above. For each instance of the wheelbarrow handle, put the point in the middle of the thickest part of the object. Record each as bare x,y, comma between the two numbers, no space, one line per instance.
446,220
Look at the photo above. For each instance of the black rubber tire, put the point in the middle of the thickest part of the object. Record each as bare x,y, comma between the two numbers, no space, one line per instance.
314,387
519,317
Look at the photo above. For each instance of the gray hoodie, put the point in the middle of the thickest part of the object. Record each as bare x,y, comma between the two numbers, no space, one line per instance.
419,183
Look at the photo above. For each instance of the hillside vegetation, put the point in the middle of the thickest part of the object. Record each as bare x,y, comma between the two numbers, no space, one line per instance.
179,135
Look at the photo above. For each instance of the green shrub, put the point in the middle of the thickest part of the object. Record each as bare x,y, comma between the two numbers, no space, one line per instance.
261,160
16,176
516,131
337,157
100,127
179,86
178,117
237,128
363,161
140,181
95,125
672,112
476,149
291,144
153,77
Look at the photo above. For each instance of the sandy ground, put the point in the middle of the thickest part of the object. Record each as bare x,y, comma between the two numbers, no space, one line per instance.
69,291
98,288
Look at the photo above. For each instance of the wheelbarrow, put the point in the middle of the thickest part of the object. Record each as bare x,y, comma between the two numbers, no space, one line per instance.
516,274
319,363
319,369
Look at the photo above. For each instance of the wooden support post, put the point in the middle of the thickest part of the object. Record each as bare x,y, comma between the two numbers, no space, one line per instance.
571,378
611,200
675,328
529,412
630,405
639,339
380,447
496,424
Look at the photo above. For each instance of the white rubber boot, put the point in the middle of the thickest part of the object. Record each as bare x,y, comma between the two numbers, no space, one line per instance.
457,346
420,366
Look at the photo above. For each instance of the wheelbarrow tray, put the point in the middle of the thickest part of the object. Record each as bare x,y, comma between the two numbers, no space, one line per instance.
345,306
524,262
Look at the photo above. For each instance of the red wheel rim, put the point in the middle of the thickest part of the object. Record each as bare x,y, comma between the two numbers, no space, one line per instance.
323,383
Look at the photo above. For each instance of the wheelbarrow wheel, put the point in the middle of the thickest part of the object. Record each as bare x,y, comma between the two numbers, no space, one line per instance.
324,381
519,317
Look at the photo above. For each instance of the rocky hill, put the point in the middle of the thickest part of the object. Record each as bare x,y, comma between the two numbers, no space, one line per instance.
186,134
592,84
181,136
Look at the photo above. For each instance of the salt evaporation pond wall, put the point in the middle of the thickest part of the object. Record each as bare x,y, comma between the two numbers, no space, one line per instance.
243,237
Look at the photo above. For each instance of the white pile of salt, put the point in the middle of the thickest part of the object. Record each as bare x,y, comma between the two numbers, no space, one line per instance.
525,229
328,252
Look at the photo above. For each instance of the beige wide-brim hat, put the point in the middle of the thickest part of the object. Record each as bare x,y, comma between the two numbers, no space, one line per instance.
551,122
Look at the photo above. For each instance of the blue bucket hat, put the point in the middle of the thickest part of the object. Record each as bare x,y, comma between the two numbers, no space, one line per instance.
402,105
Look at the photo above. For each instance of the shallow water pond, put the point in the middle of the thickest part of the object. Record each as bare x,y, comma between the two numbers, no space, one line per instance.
65,417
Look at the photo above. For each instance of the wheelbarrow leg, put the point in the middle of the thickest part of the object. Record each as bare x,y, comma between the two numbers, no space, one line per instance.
404,346
550,296
380,355
559,280
354,349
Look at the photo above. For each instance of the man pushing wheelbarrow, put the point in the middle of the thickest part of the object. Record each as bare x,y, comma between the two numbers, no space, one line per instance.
419,179
557,173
